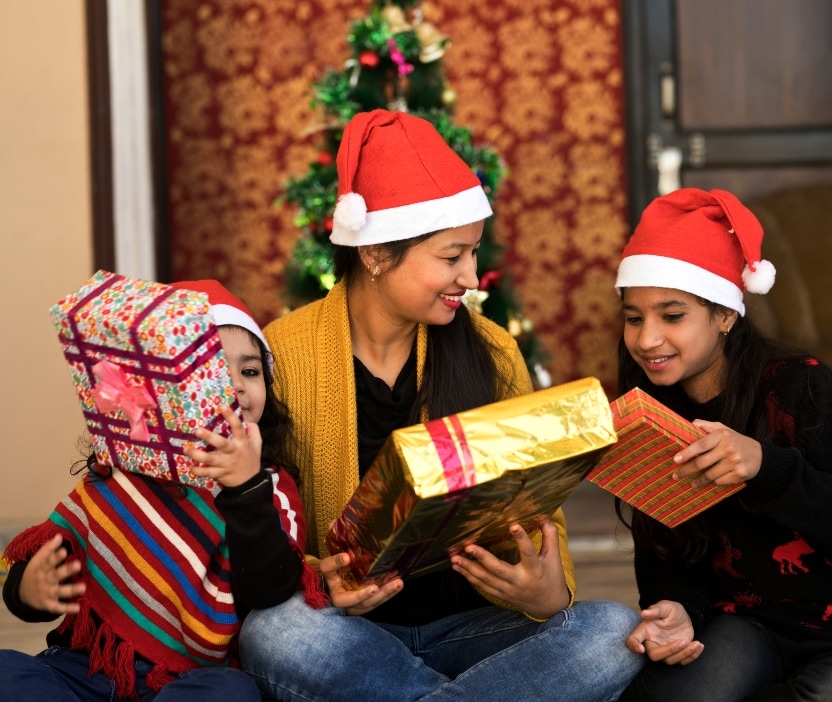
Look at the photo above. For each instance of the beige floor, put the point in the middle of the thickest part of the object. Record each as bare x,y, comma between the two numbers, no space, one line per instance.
600,548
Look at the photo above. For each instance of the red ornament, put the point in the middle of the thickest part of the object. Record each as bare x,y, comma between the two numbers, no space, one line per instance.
490,278
328,224
368,59
324,158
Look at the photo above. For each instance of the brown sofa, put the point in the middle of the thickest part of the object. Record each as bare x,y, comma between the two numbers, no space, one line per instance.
798,240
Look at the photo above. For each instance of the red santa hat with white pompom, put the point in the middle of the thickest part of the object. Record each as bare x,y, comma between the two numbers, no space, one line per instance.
227,309
398,178
705,243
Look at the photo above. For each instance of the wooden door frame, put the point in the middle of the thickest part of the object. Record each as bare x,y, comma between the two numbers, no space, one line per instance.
649,44
102,152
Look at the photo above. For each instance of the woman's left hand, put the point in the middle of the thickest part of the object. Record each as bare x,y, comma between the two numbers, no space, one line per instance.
723,456
535,585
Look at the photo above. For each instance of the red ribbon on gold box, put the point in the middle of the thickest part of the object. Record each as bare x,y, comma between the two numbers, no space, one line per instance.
639,467
465,478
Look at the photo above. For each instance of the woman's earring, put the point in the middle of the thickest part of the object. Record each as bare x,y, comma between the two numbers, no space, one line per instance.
725,333
375,273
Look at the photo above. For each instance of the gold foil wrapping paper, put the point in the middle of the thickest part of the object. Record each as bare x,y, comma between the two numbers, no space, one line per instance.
437,486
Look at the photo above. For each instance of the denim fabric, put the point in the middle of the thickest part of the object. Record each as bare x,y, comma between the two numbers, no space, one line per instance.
742,662
297,653
59,675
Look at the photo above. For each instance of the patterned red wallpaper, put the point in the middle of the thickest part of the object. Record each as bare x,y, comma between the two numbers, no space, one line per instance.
540,80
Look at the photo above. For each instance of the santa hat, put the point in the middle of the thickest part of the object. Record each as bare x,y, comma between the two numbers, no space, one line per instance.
397,178
704,243
226,308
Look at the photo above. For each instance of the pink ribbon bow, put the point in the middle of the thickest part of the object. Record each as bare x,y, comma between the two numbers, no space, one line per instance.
114,392
399,58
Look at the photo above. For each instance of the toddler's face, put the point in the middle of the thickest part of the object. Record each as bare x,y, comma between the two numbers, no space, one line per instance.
246,371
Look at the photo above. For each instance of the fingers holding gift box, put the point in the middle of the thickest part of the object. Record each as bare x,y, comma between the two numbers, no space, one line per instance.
466,479
640,467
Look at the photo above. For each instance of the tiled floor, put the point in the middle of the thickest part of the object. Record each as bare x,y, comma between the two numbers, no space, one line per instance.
600,548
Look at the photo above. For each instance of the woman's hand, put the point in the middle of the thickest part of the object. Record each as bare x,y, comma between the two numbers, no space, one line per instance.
535,585
665,634
43,585
355,602
236,459
724,456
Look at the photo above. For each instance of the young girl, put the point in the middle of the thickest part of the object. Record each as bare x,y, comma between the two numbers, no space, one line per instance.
738,601
154,579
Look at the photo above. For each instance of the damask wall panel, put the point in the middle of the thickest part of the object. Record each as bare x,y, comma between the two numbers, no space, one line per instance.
541,80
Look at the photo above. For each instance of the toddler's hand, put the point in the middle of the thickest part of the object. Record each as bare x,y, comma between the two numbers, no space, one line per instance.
43,583
236,459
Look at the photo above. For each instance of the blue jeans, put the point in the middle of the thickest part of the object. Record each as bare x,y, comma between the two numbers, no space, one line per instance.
298,653
742,662
60,675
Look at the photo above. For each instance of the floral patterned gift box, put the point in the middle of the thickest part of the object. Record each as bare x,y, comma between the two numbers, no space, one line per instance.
148,369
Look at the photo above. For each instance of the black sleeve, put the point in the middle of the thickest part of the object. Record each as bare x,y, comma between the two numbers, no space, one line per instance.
265,569
794,485
11,596
657,579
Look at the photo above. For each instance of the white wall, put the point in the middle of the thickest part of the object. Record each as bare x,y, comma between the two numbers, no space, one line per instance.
45,244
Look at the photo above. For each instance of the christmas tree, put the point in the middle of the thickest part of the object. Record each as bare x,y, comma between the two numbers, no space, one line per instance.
395,64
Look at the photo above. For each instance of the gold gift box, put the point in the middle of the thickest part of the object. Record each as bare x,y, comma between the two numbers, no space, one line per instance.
437,486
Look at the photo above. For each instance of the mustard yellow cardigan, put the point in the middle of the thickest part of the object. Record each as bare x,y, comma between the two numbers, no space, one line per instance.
314,377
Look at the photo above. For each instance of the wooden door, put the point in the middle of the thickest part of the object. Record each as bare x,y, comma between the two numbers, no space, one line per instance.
737,93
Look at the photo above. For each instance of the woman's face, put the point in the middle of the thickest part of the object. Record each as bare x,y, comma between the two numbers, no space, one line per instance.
428,285
675,339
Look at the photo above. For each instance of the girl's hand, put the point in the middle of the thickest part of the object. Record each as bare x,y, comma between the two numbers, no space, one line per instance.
43,585
535,585
236,459
355,602
726,456
665,634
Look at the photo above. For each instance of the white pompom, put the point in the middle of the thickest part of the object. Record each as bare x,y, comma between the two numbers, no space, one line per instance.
351,212
760,280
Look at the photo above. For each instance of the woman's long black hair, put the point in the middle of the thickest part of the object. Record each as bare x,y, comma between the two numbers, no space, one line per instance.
460,368
275,423
748,355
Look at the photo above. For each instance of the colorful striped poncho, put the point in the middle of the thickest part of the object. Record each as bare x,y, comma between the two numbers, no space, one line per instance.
157,572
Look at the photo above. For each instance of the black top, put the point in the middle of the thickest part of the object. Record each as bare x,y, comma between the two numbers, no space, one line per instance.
381,410
769,553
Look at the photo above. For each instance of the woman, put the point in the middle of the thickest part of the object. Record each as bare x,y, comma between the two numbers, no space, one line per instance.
738,601
390,346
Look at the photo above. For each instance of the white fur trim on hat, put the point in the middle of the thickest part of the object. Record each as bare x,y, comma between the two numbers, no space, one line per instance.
407,221
226,314
648,271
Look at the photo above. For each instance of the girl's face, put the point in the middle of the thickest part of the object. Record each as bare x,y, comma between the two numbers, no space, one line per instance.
676,339
428,285
246,366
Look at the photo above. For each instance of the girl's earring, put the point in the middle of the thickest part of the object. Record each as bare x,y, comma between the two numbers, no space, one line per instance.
375,273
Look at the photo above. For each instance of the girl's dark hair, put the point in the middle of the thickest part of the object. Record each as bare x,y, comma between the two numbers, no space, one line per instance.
748,354
275,423
460,367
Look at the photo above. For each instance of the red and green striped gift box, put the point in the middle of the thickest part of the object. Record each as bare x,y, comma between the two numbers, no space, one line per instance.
639,467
